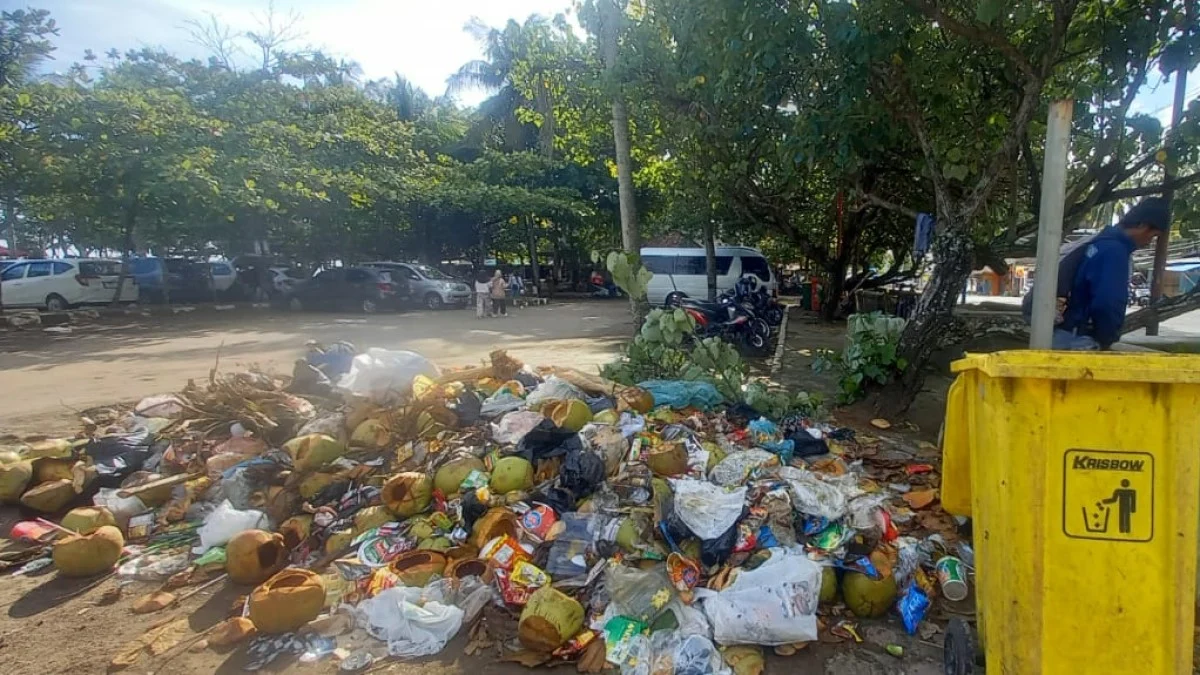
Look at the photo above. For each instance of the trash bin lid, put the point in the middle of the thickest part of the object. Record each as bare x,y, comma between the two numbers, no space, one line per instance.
1103,366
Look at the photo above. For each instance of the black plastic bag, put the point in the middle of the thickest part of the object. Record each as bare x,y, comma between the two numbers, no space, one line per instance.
581,473
548,440
118,455
717,551
472,509
807,446
467,407
559,499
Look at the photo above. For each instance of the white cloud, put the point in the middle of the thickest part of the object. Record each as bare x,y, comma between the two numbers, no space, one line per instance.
424,41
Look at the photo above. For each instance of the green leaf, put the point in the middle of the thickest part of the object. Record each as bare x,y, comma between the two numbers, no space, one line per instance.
988,10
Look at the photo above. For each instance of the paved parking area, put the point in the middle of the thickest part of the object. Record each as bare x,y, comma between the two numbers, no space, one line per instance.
44,378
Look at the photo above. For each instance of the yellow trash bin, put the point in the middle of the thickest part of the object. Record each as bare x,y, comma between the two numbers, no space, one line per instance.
1080,471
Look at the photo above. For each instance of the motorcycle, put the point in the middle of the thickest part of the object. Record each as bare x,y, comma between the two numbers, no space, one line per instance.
731,321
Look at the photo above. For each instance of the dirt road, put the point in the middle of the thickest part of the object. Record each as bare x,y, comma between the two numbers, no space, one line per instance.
44,378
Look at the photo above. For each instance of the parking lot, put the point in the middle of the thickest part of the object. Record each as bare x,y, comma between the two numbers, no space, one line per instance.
45,378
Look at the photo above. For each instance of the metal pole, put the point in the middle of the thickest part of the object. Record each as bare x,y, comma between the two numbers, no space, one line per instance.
1050,220
1164,239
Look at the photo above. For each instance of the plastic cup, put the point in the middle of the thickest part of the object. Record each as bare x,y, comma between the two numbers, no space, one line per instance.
952,578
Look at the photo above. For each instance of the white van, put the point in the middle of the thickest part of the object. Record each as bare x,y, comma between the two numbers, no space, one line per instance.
683,271
61,283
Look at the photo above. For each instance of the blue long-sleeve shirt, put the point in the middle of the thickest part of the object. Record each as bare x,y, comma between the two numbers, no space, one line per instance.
1100,292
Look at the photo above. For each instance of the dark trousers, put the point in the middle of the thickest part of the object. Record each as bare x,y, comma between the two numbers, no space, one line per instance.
500,306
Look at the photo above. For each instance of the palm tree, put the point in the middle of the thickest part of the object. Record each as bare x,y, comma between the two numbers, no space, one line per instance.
504,49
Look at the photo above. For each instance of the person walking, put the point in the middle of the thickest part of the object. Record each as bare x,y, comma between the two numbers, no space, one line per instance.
483,290
499,289
516,287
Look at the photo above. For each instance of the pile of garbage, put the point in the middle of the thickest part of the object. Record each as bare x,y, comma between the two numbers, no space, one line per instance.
548,514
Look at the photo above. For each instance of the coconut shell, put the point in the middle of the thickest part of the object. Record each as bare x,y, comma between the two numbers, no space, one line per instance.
416,568
549,619
295,530
371,433
312,484
636,399
511,473
407,494
571,414
313,451
287,601
90,554
252,556
450,476
467,567
867,597
154,497
232,631
439,544
50,497
56,447
371,518
338,540
14,478
49,469
668,459
88,519
9,454
496,522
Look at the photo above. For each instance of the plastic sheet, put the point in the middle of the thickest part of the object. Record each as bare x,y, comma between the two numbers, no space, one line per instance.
708,510
501,402
221,525
817,495
581,473
548,440
512,427
680,394
639,594
410,627
554,389
381,374
116,456
734,469
773,604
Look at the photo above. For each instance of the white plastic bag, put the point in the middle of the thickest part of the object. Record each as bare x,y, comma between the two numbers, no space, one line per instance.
512,427
160,405
774,604
817,495
225,523
381,374
553,389
736,466
708,510
410,629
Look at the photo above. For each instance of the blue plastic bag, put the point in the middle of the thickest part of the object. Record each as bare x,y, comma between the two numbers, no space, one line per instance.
766,436
680,394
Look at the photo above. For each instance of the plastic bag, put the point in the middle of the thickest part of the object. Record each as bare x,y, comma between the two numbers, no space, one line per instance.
381,374
548,440
162,405
708,510
681,653
554,389
122,508
691,619
716,551
501,402
766,435
512,427
581,473
333,424
817,495
410,629
116,456
773,604
736,467
223,524
608,441
639,594
683,394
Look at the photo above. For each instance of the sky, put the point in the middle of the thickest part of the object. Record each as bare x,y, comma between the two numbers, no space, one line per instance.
422,40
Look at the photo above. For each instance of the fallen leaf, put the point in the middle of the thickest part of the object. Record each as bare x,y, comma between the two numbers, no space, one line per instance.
880,423
153,602
744,659
919,499
527,658
127,657
593,659
168,636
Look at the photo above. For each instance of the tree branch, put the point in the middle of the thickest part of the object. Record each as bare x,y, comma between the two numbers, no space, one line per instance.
976,33
1145,190
891,206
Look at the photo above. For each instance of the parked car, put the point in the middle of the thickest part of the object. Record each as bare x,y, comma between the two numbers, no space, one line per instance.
360,289
683,272
223,276
182,279
62,283
427,285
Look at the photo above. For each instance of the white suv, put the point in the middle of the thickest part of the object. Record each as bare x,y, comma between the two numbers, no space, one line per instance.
60,284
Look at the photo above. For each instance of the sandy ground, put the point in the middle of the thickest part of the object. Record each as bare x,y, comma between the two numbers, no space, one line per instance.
44,378
55,625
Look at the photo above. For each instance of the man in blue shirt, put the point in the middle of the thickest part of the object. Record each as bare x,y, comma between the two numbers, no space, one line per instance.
1099,284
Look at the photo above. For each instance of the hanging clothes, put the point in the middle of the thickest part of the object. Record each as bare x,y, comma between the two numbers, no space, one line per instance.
923,237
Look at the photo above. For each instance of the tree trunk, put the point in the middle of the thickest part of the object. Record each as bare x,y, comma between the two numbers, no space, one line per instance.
533,257
130,222
710,257
952,249
631,239
10,221
835,285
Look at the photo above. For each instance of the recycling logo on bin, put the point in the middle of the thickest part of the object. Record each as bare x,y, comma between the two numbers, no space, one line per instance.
1108,495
